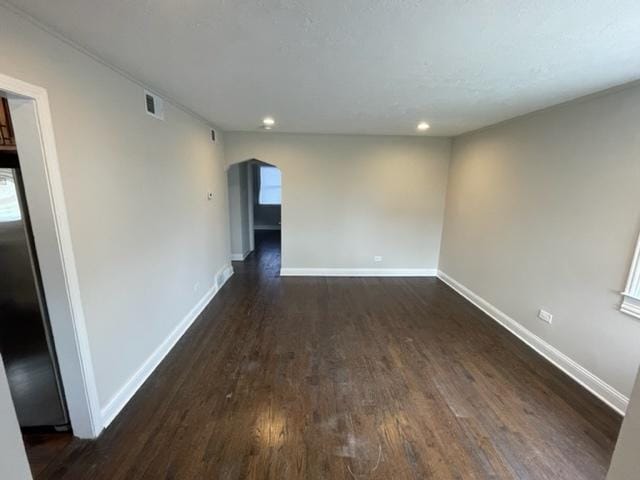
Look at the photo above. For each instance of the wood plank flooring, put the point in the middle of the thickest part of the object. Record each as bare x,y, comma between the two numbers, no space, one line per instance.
341,378
43,448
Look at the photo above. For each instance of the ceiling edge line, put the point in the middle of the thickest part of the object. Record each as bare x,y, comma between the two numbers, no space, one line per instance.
97,58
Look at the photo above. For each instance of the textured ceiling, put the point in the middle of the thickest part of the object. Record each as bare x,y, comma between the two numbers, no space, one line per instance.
360,66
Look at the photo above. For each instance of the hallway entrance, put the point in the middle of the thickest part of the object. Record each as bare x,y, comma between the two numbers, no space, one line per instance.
255,208
265,259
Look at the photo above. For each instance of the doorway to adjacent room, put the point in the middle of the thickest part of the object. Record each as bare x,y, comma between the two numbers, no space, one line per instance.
255,214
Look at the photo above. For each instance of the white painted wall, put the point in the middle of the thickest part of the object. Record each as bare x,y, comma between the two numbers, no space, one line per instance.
625,464
13,459
238,188
148,244
543,212
346,199
535,206
250,200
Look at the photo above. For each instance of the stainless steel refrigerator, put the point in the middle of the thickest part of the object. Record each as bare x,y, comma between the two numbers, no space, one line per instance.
25,336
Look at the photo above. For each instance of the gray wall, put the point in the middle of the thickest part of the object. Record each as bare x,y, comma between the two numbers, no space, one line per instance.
238,190
346,199
147,242
625,464
13,460
542,212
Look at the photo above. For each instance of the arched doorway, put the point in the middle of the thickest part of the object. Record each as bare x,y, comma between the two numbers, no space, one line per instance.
255,214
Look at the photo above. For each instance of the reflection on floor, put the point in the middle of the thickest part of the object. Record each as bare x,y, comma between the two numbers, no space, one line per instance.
347,378
265,259
43,448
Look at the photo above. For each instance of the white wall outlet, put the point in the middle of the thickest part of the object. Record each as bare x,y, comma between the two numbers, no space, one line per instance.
377,259
545,316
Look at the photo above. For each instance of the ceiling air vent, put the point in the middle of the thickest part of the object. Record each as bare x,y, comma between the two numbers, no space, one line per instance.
154,105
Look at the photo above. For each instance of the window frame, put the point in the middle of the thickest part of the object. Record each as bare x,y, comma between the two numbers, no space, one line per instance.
631,294
260,187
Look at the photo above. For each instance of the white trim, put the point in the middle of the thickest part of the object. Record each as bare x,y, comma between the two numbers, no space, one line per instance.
358,272
39,160
122,397
584,377
630,305
240,257
631,295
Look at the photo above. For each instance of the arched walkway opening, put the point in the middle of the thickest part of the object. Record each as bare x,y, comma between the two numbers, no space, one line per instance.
255,216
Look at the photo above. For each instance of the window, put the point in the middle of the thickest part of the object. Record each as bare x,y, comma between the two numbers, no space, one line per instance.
270,186
9,207
631,294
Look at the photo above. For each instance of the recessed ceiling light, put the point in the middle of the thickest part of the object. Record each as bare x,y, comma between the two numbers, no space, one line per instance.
268,121
423,126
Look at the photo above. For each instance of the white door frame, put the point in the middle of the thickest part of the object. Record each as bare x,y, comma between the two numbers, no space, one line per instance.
31,116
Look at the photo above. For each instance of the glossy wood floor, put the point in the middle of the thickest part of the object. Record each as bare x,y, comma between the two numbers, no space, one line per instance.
364,378
43,448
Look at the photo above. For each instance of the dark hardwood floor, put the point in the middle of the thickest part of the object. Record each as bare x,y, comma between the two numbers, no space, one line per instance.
347,378
43,448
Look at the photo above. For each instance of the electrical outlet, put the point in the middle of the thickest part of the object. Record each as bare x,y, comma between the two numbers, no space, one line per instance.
377,259
545,316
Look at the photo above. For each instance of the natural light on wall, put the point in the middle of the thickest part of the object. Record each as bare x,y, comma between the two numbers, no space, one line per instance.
9,207
631,294
270,186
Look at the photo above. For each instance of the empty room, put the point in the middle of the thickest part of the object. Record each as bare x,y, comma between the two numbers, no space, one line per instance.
296,239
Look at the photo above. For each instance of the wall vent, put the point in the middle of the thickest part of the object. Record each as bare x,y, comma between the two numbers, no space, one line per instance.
154,105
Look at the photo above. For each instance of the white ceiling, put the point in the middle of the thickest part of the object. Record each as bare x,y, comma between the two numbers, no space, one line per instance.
359,66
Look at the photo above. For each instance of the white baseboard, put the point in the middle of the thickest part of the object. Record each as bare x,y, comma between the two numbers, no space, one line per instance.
358,272
584,377
120,399
239,257
223,275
